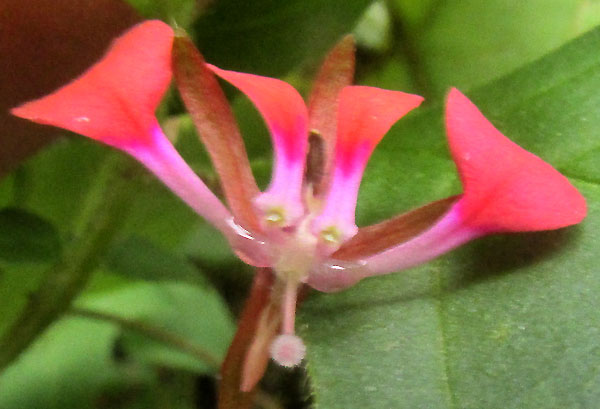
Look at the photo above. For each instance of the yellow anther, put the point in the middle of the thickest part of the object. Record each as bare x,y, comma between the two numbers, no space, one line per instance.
331,235
275,216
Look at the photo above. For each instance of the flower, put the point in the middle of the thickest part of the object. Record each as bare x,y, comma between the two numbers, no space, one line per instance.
303,227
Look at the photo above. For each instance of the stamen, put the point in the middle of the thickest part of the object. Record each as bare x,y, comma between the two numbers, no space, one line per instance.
275,216
331,235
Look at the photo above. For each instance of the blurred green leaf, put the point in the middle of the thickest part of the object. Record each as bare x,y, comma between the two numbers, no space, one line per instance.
505,322
414,12
17,282
27,237
76,362
67,368
466,43
180,12
139,258
194,313
270,37
55,182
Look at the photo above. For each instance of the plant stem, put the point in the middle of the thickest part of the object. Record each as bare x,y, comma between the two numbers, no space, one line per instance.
102,214
156,333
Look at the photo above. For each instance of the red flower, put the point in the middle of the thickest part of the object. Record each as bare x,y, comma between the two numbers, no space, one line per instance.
303,228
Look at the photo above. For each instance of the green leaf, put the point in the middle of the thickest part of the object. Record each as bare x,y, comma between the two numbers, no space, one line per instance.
271,37
180,12
67,368
26,237
80,361
194,313
466,43
17,282
139,258
505,322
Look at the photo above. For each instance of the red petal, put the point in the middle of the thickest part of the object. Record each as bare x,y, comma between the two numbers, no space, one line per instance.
365,114
281,106
114,101
506,188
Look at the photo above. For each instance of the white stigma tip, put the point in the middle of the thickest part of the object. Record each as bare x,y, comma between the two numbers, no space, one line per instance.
288,350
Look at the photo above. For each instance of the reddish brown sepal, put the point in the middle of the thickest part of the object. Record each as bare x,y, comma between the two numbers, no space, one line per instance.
336,73
230,394
218,130
373,239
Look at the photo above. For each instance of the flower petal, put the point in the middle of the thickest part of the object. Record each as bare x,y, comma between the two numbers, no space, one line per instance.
506,188
447,234
365,114
113,101
286,116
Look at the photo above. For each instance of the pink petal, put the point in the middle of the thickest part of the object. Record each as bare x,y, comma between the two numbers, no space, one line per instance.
161,158
365,114
506,188
286,116
113,101
280,105
449,232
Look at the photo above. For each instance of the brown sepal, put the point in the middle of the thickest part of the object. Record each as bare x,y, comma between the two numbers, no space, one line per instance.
375,238
336,73
230,394
212,115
